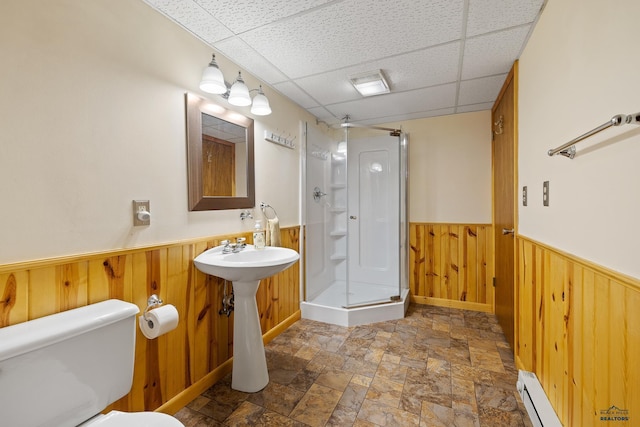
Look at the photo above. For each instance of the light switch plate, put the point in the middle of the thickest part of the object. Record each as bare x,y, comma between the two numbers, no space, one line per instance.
524,196
545,193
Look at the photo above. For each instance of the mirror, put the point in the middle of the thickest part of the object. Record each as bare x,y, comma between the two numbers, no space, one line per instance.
219,157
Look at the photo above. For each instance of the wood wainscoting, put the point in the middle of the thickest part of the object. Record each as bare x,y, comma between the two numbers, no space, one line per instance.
176,367
578,329
451,265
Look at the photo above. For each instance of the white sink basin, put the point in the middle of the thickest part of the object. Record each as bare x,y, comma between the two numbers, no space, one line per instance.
247,265
245,269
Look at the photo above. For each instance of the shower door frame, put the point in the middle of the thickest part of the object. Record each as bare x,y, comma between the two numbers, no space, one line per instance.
380,292
403,225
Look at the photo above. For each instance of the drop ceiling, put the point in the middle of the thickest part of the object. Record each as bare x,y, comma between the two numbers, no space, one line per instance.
439,56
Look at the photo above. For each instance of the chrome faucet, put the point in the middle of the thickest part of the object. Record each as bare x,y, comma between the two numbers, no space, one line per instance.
240,244
227,246
233,247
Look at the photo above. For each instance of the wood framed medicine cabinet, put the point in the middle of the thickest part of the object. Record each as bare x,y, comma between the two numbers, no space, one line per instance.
220,159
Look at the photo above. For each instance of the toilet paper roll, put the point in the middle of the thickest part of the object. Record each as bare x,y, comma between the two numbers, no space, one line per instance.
159,321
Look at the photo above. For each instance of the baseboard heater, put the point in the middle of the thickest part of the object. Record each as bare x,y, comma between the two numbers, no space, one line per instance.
535,400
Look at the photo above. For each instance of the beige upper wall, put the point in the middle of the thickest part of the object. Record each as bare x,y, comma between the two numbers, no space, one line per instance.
92,116
450,168
578,70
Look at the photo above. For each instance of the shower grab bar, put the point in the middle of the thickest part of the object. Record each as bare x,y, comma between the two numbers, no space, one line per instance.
569,149
264,206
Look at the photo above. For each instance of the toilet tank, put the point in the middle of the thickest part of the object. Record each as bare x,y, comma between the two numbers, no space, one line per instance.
62,369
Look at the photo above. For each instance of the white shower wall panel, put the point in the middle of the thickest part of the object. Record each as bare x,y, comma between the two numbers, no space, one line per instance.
319,266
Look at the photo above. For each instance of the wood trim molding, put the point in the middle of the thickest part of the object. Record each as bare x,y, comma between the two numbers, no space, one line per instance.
463,305
67,259
623,279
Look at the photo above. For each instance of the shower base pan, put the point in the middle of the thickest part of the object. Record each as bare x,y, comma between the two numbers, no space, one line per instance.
328,307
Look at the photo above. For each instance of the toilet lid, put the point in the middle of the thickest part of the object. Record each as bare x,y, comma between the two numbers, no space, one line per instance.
133,419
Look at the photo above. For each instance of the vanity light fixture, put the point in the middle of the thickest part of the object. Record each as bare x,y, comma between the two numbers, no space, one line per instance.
238,94
370,83
212,78
260,106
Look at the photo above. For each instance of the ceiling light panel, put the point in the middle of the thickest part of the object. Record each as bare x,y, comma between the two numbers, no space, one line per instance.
370,83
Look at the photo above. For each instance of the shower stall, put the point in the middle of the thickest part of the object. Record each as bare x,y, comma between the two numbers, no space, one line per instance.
355,216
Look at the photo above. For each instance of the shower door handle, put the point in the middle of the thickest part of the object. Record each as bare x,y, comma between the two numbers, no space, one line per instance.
353,217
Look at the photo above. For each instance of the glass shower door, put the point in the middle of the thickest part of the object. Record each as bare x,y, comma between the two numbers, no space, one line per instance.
373,272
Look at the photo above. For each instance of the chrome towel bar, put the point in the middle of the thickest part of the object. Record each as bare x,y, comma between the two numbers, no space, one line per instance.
569,149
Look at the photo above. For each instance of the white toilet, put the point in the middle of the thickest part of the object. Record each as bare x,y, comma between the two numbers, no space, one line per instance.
64,369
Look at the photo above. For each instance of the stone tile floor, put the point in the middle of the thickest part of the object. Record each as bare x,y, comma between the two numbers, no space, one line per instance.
436,367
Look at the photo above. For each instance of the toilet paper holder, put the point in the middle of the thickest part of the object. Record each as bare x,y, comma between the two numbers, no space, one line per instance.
152,302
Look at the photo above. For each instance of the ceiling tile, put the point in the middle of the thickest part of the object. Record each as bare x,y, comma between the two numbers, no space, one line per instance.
331,87
483,58
243,15
322,114
410,116
423,68
351,32
474,107
491,15
221,129
192,17
297,95
484,89
396,104
243,55
436,62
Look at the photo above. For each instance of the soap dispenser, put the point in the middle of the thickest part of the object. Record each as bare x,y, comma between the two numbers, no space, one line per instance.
258,235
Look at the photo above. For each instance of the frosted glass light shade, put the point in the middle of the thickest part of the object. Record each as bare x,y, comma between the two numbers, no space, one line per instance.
370,83
212,79
239,93
260,105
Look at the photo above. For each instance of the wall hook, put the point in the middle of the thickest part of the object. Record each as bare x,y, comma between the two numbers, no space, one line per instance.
499,126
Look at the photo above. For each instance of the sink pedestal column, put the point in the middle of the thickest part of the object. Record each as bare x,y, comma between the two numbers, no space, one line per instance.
249,362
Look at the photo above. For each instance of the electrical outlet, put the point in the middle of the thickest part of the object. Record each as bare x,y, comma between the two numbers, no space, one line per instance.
545,193
524,196
141,212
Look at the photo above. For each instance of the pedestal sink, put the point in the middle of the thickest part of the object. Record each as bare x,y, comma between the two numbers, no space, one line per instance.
245,269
